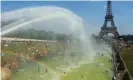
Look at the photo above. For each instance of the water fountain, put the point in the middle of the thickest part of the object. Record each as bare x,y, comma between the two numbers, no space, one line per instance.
75,25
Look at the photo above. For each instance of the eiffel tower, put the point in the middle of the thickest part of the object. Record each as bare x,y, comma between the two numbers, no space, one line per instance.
109,18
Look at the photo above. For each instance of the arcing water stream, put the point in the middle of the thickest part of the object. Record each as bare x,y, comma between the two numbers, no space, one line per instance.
89,56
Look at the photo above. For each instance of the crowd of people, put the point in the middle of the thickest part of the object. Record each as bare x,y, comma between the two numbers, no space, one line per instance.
29,50
33,51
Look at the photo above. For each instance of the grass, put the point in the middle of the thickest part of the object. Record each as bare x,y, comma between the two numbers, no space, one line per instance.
127,56
29,70
90,71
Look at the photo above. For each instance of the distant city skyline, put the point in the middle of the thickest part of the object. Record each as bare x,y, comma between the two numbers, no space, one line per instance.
93,12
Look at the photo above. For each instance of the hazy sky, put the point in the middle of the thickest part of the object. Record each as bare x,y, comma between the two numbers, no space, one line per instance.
92,12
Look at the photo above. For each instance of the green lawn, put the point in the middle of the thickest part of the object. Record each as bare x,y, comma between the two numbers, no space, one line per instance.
74,70
89,71
127,56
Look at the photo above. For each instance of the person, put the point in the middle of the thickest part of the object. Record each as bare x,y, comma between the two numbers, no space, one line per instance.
106,71
46,70
14,64
38,69
114,78
82,76
102,54
10,66
4,63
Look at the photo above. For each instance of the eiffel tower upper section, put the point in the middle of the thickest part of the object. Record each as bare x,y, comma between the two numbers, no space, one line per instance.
109,11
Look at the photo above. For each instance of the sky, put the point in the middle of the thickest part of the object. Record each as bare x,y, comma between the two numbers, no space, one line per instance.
93,12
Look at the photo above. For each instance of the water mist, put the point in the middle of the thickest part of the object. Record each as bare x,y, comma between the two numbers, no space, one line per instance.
74,23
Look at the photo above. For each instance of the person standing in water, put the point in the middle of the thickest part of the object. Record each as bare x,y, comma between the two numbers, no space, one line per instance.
46,70
39,69
102,54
